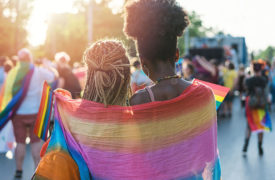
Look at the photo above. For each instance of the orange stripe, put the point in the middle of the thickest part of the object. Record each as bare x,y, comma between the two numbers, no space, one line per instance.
219,93
41,110
93,112
44,113
2,94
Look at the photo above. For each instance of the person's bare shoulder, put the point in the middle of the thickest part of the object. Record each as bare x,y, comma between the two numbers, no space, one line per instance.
141,97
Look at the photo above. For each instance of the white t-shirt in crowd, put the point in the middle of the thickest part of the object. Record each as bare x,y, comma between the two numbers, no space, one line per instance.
140,78
31,103
2,76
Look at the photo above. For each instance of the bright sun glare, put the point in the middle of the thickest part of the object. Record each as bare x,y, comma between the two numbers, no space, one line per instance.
37,26
42,9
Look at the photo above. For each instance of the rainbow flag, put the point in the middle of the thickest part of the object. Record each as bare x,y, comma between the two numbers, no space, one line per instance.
174,139
258,119
44,115
14,90
220,92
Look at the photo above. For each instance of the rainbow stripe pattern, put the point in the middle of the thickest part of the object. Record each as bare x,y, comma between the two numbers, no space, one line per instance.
220,92
44,115
174,139
258,119
14,90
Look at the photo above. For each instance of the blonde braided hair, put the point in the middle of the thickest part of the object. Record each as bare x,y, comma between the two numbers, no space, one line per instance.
108,78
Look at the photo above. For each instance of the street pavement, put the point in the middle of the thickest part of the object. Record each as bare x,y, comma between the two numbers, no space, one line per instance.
231,133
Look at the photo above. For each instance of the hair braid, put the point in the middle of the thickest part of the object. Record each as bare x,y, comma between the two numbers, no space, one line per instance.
108,76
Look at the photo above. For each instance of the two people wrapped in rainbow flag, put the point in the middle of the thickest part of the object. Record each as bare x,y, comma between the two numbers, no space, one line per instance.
168,132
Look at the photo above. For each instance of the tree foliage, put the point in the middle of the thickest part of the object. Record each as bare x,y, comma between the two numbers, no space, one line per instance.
69,32
195,28
14,15
266,54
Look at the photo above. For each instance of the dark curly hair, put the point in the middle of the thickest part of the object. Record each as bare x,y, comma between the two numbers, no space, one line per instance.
155,26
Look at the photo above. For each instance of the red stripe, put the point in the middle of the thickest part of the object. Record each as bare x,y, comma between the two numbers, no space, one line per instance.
191,100
216,88
2,94
220,93
41,109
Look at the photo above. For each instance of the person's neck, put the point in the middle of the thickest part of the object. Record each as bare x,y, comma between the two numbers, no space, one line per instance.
163,69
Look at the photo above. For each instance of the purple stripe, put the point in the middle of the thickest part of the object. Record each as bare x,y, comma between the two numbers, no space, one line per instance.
178,161
47,117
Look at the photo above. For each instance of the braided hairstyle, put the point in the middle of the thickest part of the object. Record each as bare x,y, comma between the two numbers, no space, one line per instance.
108,77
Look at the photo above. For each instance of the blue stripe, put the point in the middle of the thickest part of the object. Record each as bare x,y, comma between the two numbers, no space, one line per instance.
47,118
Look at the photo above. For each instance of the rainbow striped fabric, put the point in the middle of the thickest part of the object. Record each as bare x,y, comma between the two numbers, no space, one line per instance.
174,139
258,119
220,92
14,90
44,115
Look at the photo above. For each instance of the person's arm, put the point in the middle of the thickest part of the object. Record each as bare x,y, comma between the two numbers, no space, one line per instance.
206,65
48,74
236,81
141,97
61,82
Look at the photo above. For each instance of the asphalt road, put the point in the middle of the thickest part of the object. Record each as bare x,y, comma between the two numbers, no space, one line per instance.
231,133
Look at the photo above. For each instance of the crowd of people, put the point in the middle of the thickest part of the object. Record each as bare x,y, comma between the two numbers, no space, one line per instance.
148,83
253,85
58,74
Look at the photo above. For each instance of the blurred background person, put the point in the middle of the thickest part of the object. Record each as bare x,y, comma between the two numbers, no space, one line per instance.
139,80
67,79
234,56
272,84
2,70
206,70
80,71
14,60
240,84
8,66
25,117
229,77
188,71
257,99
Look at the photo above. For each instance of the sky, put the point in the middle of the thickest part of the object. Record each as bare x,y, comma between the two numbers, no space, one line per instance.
252,19
42,10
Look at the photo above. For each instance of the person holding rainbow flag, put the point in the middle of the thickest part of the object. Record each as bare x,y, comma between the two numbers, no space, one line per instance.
19,101
257,115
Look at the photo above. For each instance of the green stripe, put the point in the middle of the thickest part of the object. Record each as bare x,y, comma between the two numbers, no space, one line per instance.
218,103
22,70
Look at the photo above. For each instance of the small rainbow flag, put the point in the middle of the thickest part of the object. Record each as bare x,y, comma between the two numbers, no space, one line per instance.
220,92
44,115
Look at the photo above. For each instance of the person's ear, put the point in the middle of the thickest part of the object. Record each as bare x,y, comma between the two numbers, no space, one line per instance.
141,61
144,66
177,55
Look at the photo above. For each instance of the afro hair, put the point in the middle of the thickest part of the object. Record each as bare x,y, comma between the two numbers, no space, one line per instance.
155,25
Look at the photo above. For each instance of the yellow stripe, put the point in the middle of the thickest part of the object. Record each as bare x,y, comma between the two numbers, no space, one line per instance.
44,111
261,114
130,135
219,98
8,88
